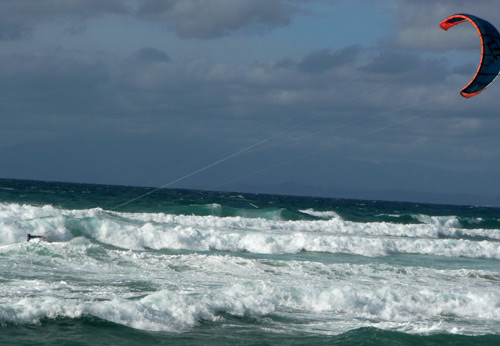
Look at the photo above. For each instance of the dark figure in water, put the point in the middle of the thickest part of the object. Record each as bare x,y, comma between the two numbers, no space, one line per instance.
29,237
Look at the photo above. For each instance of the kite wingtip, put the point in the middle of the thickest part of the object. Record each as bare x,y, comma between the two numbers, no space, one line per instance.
468,95
444,26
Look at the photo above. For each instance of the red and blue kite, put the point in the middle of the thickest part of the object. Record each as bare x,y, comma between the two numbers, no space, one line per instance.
489,66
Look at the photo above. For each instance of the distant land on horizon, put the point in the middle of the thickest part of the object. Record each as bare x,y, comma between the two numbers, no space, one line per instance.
393,195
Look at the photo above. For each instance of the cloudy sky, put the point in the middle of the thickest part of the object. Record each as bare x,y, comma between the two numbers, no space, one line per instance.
343,98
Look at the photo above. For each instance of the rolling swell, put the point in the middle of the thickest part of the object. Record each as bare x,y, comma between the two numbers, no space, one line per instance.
242,224
259,231
104,332
175,293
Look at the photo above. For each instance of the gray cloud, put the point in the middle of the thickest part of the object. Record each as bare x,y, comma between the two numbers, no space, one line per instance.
13,31
139,97
324,60
121,115
418,23
216,18
152,55
203,19
50,96
19,18
200,87
416,68
43,10
388,62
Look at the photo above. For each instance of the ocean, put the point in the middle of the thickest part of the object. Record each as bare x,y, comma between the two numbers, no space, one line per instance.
187,267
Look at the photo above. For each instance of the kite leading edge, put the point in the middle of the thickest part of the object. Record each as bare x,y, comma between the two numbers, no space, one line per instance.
489,66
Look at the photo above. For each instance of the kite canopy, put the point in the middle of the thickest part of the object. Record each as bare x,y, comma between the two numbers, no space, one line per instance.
490,52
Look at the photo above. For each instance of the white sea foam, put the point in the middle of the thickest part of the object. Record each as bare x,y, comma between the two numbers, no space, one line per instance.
154,291
321,214
438,236
442,221
121,267
292,238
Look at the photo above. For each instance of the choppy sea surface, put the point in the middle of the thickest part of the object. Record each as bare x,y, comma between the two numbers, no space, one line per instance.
210,268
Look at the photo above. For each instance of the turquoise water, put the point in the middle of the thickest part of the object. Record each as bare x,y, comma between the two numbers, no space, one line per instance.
194,267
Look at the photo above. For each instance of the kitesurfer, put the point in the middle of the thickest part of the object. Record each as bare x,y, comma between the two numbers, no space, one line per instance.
29,237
